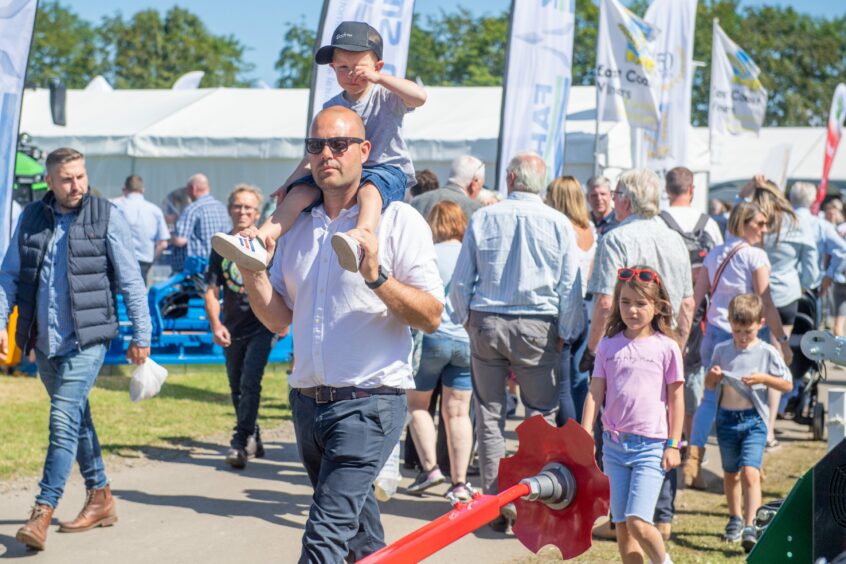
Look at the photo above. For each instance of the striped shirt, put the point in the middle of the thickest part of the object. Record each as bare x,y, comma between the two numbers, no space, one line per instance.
202,219
519,258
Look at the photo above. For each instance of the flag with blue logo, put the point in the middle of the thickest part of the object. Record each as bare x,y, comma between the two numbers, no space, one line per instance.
626,67
17,18
738,100
538,77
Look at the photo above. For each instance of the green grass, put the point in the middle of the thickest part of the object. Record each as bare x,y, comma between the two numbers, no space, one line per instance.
193,403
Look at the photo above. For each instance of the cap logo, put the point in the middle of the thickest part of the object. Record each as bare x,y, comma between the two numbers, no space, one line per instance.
342,35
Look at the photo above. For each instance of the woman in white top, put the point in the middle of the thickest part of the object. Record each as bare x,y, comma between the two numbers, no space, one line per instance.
445,357
745,269
565,194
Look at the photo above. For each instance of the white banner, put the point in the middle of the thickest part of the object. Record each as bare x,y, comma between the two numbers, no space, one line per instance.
738,101
391,18
17,18
537,83
626,69
666,146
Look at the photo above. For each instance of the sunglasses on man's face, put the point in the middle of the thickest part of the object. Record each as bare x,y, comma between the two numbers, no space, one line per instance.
337,145
644,275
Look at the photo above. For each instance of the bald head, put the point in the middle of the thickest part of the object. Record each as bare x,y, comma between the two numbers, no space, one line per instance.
197,185
344,121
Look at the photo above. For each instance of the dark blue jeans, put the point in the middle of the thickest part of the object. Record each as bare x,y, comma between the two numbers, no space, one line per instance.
566,406
68,380
343,446
245,362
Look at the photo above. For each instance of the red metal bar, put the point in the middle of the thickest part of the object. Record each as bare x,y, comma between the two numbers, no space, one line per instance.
445,530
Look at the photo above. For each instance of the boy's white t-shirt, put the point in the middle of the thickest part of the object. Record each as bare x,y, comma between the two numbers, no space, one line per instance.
382,112
736,278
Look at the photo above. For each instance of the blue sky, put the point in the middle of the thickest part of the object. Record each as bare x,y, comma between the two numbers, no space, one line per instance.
260,24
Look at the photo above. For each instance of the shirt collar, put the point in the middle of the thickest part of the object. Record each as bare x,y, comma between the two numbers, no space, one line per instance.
525,196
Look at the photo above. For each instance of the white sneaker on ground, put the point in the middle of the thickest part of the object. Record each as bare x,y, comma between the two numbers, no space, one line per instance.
248,254
348,250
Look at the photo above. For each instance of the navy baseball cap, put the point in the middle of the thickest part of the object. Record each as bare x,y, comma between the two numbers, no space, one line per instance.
351,36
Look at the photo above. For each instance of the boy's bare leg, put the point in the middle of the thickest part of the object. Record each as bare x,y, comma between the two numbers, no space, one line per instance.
731,484
627,545
370,210
750,477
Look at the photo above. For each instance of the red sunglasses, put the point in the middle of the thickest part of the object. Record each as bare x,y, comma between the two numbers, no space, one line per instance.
644,275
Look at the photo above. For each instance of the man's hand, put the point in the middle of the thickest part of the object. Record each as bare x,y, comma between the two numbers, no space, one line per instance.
369,268
137,355
4,344
671,459
221,336
587,362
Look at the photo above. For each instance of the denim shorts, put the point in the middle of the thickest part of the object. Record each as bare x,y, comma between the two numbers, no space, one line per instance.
446,359
388,179
742,436
633,466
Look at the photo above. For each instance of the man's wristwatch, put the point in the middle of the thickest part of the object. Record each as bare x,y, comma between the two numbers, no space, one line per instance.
381,279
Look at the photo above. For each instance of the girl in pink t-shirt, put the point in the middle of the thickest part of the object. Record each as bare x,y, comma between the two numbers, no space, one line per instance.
638,375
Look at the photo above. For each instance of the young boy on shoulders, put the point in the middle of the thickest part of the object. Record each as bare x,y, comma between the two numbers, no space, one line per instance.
742,371
382,101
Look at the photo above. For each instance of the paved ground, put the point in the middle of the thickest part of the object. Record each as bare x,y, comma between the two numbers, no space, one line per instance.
184,505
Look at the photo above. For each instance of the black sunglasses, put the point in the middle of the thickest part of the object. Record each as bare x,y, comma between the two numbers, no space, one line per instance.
338,145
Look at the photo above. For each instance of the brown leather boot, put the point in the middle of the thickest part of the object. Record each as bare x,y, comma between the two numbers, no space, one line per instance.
34,532
666,529
692,467
99,511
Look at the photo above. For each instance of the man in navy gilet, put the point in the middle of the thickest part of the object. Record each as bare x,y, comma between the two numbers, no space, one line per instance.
69,254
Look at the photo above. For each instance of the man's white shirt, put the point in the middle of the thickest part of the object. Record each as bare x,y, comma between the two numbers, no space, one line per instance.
343,333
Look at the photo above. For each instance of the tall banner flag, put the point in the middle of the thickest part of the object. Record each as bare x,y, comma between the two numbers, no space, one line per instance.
836,117
391,18
666,145
738,101
537,83
17,19
626,69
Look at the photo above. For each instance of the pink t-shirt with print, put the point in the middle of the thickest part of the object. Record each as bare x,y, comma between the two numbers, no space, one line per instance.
636,373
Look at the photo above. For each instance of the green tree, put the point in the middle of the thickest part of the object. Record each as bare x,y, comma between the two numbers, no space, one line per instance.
296,58
64,47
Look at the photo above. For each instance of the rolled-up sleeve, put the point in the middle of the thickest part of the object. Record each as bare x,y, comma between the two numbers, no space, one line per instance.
608,259
9,274
128,277
464,278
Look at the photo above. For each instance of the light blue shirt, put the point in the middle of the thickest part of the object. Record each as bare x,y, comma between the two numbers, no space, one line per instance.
147,223
447,253
53,303
519,258
829,243
793,256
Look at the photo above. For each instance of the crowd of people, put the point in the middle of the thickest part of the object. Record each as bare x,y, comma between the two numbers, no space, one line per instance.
647,326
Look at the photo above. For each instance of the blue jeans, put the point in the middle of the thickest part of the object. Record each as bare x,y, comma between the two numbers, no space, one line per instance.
68,380
389,180
343,446
703,419
742,436
245,362
633,466
566,405
579,381
446,359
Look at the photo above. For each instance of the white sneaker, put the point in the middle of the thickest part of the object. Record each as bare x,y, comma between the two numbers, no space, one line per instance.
348,250
248,254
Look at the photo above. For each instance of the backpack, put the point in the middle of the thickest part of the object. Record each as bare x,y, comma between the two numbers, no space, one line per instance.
698,242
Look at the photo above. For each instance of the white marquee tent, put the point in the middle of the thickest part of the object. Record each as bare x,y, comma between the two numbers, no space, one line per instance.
255,136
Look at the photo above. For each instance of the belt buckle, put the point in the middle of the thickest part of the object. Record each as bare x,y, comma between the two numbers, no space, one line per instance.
328,396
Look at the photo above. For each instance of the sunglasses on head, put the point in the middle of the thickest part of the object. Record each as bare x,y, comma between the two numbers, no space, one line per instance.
644,275
337,145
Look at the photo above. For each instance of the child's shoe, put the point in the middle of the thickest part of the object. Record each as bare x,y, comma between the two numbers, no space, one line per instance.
248,254
348,250
734,529
748,539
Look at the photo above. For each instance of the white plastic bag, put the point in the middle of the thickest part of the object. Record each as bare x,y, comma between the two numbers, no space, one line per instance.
147,380
389,477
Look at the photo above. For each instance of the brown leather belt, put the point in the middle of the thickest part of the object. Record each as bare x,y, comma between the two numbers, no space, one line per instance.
328,394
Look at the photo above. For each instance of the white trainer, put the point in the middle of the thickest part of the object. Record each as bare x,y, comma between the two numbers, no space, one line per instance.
248,254
348,250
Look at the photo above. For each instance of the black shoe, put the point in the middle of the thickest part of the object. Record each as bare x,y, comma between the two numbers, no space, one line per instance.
500,525
236,458
254,448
